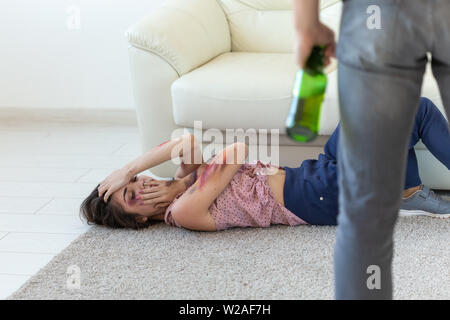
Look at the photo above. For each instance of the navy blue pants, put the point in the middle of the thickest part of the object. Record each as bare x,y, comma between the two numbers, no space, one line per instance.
430,126
311,191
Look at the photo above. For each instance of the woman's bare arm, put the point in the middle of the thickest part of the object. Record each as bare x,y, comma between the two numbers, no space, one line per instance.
191,158
165,151
191,210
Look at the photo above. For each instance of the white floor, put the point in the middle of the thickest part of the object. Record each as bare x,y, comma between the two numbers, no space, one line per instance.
46,170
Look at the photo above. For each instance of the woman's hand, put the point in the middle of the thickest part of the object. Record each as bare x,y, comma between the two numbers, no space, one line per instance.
160,193
114,182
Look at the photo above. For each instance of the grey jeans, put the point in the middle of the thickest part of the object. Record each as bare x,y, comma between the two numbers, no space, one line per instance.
380,76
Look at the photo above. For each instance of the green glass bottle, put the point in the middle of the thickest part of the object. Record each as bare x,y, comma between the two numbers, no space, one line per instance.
302,123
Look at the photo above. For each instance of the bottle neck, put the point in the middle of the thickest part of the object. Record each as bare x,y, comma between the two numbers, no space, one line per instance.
313,71
315,62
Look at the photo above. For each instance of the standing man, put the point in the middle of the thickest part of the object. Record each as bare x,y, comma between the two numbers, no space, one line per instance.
382,55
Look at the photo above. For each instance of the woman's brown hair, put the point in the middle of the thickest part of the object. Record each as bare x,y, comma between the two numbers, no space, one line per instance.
108,214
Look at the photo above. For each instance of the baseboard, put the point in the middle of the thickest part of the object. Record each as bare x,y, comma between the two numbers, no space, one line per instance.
106,116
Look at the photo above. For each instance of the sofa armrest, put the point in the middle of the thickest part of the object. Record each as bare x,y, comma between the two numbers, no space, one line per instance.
186,34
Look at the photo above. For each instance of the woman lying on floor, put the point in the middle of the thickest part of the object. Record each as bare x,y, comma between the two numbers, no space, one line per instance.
227,192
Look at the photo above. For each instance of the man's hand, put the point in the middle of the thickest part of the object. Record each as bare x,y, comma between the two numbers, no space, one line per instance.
306,39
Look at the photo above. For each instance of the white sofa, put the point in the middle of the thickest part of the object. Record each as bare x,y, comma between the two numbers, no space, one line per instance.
230,64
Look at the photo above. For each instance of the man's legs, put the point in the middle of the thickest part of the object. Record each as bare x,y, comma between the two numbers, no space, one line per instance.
380,75
374,136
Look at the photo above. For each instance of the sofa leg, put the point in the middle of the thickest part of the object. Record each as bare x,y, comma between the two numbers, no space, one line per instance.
164,170
152,78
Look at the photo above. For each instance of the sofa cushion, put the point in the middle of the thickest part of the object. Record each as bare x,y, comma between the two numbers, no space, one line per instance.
268,25
244,90
253,90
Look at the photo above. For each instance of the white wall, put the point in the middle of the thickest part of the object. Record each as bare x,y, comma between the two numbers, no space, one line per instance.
46,64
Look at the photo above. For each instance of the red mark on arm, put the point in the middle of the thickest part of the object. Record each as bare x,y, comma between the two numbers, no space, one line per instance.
224,160
159,145
190,183
208,173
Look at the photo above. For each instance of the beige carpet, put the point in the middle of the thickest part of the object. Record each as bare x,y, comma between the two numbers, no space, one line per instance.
274,263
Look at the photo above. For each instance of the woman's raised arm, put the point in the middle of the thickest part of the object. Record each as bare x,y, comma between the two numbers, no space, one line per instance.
165,151
191,210
191,157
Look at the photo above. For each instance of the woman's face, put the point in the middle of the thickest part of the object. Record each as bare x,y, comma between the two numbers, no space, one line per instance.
126,198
